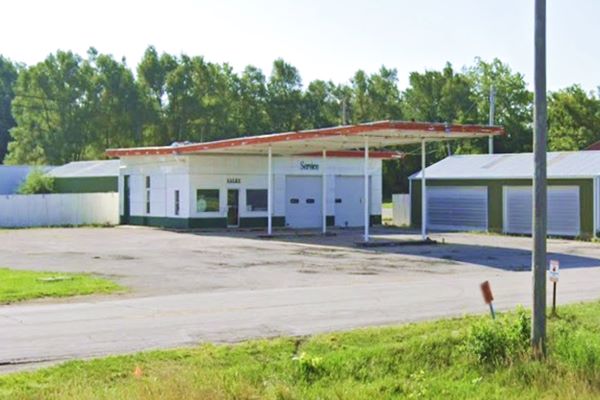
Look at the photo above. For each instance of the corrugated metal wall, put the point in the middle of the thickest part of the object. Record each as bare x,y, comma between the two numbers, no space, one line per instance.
59,209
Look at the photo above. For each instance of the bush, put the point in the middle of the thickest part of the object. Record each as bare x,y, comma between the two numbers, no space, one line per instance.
37,183
500,341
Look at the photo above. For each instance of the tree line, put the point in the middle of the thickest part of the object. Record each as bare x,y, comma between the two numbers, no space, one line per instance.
72,107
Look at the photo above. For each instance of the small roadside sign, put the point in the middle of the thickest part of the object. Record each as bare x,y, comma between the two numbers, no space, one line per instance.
553,271
486,291
553,274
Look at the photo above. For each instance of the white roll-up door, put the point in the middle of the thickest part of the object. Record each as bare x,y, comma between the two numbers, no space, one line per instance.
457,208
349,200
303,201
563,210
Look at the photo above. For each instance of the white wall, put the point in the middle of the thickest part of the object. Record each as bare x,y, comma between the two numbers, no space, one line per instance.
167,174
401,209
192,172
59,209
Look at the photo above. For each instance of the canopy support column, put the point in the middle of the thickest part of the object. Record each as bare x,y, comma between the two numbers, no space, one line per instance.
270,192
366,194
324,192
423,192
596,198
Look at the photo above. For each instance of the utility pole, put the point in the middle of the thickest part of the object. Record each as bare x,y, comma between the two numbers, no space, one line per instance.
492,111
344,111
539,261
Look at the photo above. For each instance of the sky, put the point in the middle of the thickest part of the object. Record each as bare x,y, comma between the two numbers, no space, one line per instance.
324,39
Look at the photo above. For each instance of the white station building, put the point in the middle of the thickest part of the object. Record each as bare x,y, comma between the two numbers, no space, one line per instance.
305,179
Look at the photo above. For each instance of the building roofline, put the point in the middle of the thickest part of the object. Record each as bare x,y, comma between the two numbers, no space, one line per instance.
417,131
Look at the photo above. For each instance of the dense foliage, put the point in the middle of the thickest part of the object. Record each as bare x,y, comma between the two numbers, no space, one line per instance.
37,182
70,107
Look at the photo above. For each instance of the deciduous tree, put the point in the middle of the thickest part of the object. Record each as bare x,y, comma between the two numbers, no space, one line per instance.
8,77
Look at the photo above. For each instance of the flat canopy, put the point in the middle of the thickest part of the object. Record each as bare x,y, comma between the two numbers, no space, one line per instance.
378,135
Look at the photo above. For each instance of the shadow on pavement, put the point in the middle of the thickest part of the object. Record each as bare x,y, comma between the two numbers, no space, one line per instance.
504,258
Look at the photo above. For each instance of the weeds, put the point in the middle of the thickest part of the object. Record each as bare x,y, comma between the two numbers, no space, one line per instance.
500,341
464,358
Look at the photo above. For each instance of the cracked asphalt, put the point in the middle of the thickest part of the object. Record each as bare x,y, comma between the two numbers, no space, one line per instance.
191,287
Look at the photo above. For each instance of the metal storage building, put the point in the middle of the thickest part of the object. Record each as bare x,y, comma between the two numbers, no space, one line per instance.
493,192
96,176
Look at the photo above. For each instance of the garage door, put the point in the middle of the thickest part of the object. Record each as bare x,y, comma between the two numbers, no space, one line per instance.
563,210
303,201
349,206
457,208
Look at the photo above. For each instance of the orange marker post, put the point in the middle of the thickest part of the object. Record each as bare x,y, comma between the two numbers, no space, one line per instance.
486,291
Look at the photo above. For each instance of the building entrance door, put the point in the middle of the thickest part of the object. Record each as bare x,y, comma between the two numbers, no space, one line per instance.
126,201
233,207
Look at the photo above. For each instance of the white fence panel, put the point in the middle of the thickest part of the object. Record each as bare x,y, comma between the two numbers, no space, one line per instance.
20,211
401,209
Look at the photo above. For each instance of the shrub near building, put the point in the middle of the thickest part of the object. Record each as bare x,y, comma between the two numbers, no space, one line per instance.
37,182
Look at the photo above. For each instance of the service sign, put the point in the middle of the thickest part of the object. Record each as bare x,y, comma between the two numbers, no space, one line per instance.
553,271
308,166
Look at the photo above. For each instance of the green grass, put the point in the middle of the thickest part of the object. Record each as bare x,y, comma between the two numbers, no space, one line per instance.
387,205
432,360
17,285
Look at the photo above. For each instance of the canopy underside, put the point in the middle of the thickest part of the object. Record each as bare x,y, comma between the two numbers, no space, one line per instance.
377,135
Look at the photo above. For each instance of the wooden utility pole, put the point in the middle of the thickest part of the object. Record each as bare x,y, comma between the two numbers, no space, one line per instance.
492,110
539,261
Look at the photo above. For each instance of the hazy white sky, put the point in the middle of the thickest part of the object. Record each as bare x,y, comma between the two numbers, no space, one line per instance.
324,39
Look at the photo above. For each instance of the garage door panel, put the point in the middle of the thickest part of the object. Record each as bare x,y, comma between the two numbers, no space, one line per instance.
457,208
303,201
517,210
349,200
563,210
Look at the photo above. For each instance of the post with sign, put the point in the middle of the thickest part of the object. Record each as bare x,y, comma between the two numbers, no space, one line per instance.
553,273
486,291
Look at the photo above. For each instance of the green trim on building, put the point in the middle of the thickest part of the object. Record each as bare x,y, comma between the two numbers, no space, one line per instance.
178,223
375,220
203,223
495,201
98,184
261,222
190,223
162,222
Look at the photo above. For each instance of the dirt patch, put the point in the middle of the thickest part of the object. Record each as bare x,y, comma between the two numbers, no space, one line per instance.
122,257
320,252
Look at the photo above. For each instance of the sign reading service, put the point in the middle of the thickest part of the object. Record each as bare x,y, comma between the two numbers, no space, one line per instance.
308,166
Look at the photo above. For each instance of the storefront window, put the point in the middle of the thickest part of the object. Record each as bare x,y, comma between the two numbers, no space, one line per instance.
207,200
256,199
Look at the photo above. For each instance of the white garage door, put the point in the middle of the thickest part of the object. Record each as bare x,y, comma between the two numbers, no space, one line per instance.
457,208
563,210
349,205
303,201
